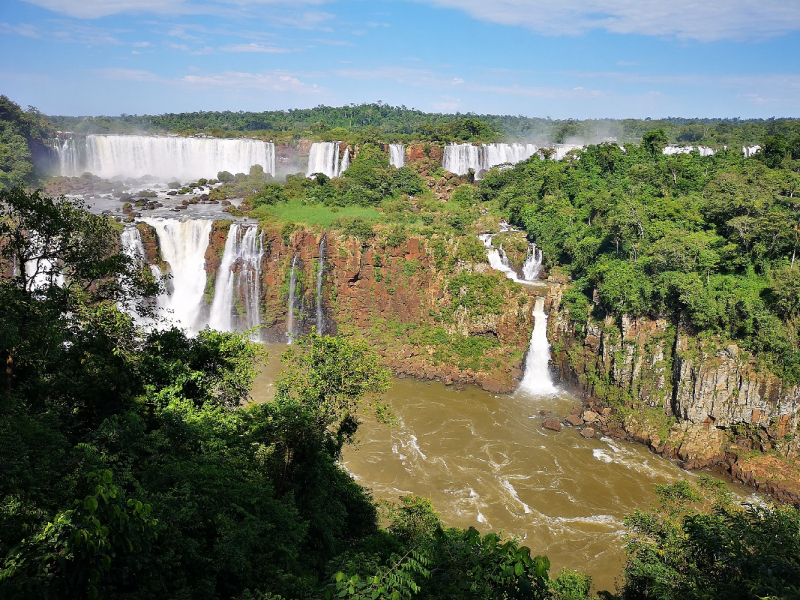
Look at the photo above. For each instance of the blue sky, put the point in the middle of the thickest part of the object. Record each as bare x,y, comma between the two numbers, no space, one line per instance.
557,58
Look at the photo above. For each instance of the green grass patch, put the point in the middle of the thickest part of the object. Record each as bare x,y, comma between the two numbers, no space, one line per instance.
314,214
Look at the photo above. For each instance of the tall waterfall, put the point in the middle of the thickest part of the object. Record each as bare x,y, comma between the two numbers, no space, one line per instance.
324,158
536,379
237,292
290,332
163,157
131,244
533,263
183,245
397,155
320,274
68,160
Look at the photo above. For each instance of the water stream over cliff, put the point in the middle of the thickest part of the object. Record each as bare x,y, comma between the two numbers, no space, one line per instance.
236,304
320,275
324,158
290,329
161,157
397,155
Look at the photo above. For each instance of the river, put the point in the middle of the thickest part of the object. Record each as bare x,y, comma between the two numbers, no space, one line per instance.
486,461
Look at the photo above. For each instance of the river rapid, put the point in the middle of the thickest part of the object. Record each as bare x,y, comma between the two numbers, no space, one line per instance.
486,461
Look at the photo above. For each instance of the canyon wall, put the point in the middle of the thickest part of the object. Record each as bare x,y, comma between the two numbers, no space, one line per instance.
700,400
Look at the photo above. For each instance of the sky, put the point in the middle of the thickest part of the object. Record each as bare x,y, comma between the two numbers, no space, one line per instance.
538,58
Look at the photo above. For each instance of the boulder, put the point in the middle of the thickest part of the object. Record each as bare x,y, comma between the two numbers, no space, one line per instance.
587,432
552,424
574,420
589,416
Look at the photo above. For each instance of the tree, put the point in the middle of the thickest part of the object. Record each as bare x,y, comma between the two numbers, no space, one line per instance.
655,141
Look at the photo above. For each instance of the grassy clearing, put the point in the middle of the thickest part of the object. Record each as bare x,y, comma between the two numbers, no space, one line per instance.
314,214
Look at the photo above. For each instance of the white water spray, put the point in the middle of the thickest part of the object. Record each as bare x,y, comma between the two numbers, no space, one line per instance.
237,288
397,155
183,245
536,379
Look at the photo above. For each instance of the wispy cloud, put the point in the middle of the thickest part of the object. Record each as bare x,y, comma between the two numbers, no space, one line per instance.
706,21
255,48
22,29
94,9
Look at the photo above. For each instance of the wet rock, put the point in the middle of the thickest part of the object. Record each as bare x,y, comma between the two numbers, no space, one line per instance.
552,424
587,432
492,385
574,420
576,410
590,416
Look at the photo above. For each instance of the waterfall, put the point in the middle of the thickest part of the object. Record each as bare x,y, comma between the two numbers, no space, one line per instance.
460,158
498,259
131,244
68,158
237,290
320,273
183,245
168,157
324,158
345,162
749,151
397,155
536,379
703,150
533,263
290,332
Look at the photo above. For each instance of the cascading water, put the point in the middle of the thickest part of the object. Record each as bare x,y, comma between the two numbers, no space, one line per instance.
533,263
397,155
324,158
703,150
167,157
498,259
345,162
131,244
460,158
749,151
320,274
183,246
237,290
536,379
68,161
290,332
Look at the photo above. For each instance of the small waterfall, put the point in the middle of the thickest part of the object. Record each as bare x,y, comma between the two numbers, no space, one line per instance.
168,157
345,162
397,155
237,289
536,379
290,332
749,151
498,259
131,244
672,150
460,158
67,157
324,158
183,246
320,273
533,263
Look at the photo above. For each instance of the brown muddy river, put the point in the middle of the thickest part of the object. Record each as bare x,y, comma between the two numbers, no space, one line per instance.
485,461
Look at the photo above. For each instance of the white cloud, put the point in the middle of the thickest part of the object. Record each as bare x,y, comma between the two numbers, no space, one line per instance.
22,29
141,44
93,9
272,81
255,48
402,75
709,20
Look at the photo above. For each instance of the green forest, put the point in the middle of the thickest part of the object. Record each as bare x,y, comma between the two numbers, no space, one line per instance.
133,465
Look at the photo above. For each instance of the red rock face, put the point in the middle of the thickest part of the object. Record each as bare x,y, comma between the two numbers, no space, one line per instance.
368,287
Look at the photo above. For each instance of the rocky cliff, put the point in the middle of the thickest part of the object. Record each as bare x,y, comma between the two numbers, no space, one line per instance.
701,400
